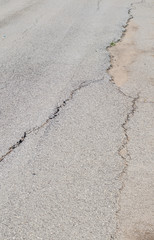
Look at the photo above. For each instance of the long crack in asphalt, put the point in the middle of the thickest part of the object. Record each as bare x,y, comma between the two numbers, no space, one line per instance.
52,116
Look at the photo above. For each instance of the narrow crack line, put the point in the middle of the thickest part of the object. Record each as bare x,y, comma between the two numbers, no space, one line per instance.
14,146
123,151
124,154
52,116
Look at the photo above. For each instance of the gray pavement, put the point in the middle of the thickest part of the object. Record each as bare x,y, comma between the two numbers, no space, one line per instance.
47,49
64,180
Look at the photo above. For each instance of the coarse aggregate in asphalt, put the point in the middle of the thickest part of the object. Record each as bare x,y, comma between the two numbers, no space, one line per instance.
87,147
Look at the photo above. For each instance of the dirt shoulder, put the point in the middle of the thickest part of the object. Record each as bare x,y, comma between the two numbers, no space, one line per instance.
123,54
132,71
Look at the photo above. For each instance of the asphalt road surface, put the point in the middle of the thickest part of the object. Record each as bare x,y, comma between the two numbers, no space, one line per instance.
76,150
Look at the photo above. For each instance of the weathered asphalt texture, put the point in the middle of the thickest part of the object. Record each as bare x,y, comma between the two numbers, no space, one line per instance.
61,119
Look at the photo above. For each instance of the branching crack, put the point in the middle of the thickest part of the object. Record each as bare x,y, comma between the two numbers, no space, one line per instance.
52,116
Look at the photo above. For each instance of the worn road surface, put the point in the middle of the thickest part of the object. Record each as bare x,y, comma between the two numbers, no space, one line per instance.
76,120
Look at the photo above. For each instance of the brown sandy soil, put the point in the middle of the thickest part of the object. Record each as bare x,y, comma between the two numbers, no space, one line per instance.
123,54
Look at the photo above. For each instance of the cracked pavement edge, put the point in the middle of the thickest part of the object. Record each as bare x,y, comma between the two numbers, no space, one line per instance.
123,150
